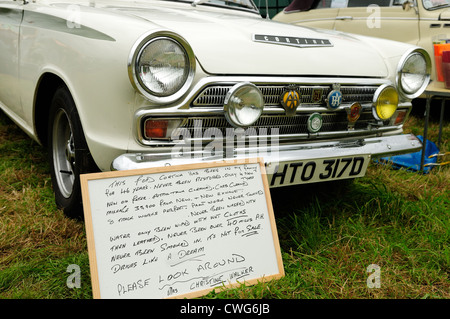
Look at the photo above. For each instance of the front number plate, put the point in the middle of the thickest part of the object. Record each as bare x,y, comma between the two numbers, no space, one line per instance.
319,170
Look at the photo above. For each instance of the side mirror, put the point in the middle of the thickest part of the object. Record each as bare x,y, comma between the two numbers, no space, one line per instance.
407,5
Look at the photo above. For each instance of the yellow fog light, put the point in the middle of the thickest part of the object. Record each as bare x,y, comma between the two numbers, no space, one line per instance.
385,102
243,104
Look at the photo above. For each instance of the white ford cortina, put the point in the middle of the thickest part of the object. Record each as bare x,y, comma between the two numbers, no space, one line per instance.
117,85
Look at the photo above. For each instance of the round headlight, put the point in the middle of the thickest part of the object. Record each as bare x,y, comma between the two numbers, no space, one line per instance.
385,102
414,73
162,66
244,104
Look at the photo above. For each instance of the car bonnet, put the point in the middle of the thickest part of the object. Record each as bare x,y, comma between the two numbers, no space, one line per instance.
244,44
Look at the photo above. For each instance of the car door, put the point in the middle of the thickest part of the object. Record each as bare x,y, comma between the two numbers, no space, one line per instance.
10,19
389,19
434,28
322,14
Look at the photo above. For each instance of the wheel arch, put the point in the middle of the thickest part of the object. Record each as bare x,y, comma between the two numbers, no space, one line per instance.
46,88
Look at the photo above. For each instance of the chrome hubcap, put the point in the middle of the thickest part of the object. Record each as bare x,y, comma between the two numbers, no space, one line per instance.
63,153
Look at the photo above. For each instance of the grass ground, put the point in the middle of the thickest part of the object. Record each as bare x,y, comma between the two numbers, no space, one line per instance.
397,220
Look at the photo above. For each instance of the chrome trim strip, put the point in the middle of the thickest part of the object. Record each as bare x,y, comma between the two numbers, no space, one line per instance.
298,138
308,20
381,18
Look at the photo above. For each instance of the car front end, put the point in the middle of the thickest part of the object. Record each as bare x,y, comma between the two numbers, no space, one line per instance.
316,105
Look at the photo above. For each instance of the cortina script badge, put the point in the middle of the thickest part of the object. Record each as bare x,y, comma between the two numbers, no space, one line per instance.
290,99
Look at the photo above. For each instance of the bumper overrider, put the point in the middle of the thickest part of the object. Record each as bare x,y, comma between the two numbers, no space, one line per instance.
289,164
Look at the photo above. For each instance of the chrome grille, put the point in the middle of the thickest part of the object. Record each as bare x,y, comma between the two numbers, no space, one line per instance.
214,96
332,122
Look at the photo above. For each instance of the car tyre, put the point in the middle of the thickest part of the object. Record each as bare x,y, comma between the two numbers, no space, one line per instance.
68,153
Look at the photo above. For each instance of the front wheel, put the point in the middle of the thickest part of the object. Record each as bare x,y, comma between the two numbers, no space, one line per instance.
68,153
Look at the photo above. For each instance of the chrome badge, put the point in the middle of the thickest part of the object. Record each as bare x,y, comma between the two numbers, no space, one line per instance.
314,123
292,41
316,95
334,98
290,99
354,112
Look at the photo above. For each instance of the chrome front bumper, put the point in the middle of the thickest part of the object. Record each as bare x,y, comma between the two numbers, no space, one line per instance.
374,146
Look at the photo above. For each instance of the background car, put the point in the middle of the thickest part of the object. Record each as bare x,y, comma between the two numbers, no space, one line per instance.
119,85
418,22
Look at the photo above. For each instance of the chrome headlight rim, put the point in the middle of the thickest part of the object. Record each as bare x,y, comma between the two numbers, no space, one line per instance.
136,52
403,59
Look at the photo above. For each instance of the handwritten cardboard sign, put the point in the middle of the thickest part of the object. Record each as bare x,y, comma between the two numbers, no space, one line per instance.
180,231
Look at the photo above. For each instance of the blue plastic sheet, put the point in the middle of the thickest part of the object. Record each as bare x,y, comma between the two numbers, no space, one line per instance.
411,161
